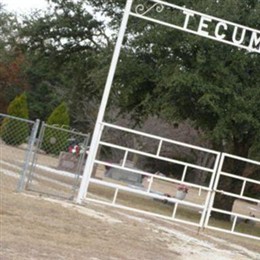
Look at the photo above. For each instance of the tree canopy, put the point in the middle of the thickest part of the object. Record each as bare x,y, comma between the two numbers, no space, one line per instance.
67,49
12,75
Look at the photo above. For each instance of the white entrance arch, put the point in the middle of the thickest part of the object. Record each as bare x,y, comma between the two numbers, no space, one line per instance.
237,39
140,11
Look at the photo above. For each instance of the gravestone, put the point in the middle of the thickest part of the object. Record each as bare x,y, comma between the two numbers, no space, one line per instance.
69,162
125,175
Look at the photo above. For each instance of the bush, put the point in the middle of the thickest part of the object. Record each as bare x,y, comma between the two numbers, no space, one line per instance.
15,131
59,116
55,138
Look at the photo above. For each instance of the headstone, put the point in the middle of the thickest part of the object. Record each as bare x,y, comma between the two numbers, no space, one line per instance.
68,162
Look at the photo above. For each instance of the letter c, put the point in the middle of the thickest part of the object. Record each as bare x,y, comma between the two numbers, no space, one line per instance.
217,34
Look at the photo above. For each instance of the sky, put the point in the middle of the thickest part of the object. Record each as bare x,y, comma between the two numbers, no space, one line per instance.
23,6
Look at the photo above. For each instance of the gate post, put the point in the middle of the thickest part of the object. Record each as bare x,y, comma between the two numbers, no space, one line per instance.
99,127
213,191
28,156
34,156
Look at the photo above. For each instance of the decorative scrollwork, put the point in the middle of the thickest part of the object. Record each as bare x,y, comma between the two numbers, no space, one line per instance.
141,8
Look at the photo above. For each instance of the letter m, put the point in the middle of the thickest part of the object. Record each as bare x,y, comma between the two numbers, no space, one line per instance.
255,41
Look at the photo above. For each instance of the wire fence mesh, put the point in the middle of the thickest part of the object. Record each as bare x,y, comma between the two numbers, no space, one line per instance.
58,161
47,159
15,136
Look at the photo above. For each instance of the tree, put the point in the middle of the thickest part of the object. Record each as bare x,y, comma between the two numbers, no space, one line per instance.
67,47
59,116
16,131
177,75
55,138
12,77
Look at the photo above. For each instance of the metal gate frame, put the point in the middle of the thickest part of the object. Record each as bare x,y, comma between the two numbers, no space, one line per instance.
32,161
148,193
221,173
28,157
206,209
29,150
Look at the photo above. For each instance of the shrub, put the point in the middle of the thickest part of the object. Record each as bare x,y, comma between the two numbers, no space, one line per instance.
59,116
15,131
55,138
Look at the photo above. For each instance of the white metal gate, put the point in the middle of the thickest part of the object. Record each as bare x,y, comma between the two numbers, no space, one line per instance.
154,190
244,218
56,166
156,195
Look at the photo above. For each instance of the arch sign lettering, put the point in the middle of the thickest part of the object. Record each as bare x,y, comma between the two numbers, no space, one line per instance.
203,25
187,20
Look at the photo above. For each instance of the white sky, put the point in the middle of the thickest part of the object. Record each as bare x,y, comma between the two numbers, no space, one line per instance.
23,6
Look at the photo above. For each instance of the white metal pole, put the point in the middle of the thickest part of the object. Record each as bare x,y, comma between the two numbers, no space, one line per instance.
98,127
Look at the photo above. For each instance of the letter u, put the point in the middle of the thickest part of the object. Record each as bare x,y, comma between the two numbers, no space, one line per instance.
242,37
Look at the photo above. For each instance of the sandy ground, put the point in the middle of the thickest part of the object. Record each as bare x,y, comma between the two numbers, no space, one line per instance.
38,227
34,227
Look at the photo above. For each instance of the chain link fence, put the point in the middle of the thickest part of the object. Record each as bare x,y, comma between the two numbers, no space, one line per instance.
17,137
38,157
58,161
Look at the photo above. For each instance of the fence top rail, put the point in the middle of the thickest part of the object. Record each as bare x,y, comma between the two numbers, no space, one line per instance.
66,129
161,138
234,176
167,159
232,232
230,194
145,193
156,177
235,214
241,158
17,118
149,213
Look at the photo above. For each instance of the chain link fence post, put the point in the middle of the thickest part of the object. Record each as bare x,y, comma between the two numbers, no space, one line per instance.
28,156
34,156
